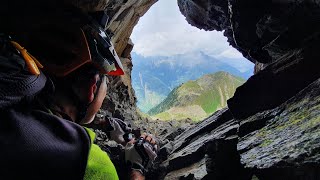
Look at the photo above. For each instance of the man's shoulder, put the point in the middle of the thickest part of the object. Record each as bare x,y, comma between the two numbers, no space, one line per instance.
43,140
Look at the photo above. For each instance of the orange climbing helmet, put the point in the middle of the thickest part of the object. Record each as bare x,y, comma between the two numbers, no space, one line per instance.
87,44
66,38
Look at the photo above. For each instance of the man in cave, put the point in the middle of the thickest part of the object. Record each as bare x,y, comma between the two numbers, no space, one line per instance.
40,135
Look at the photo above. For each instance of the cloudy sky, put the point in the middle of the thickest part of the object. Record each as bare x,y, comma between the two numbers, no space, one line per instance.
163,31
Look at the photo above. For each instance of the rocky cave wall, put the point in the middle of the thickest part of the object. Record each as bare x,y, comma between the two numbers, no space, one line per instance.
123,16
270,129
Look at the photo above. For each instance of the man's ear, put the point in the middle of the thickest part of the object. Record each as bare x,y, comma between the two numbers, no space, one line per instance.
96,104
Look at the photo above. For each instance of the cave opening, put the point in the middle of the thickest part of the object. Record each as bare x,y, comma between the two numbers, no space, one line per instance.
270,129
179,71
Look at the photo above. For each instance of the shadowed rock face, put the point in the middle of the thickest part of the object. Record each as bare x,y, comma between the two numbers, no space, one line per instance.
206,151
290,135
262,30
278,82
123,16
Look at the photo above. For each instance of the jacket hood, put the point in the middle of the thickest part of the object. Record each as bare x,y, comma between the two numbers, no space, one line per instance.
16,83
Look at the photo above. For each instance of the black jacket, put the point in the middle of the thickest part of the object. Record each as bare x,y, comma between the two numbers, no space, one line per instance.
34,144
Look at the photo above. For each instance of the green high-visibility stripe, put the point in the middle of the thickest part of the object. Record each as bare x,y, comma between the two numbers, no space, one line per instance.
99,165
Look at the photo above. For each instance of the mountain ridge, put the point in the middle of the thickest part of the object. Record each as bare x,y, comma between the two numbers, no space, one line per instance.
154,77
206,95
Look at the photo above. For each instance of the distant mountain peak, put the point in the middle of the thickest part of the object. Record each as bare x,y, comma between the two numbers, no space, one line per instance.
210,92
161,74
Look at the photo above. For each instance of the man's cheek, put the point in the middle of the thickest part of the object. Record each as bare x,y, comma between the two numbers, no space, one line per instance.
81,94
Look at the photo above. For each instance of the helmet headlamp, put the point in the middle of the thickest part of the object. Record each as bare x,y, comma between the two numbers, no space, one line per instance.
103,54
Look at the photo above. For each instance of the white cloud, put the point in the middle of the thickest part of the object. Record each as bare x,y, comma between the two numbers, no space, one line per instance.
163,31
230,53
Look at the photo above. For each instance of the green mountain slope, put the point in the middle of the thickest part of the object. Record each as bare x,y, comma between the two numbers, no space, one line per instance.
198,99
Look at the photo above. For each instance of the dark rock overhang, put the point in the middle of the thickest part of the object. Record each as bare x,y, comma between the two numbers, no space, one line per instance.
262,31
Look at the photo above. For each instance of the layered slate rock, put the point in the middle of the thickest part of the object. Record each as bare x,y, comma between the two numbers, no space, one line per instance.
207,151
194,171
289,138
